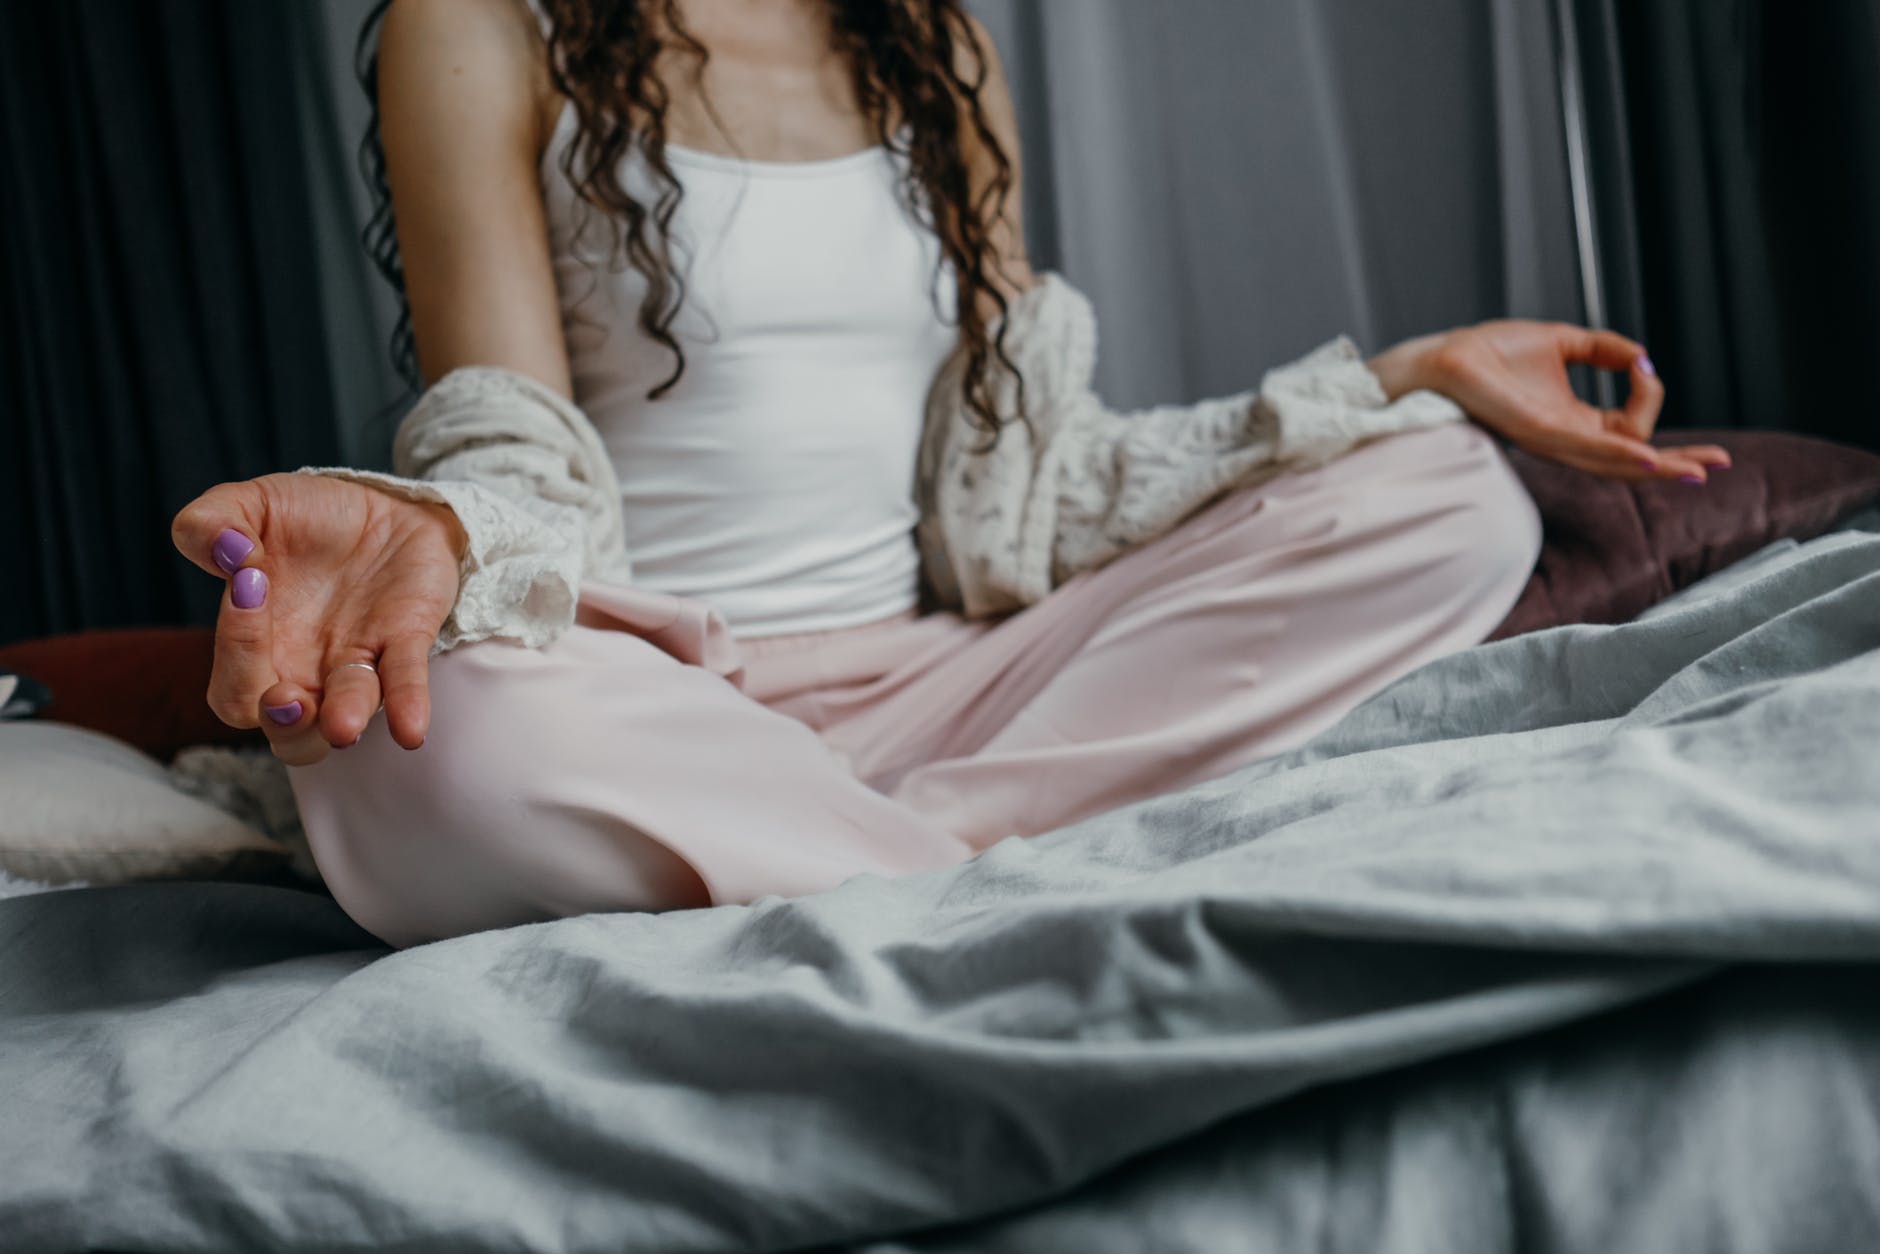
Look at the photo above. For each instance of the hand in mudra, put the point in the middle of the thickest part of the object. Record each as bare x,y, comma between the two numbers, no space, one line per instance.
321,572
1511,377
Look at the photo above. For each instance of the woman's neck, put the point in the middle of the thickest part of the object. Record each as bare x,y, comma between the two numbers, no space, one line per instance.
773,87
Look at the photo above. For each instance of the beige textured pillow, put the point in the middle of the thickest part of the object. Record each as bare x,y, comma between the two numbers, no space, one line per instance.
79,805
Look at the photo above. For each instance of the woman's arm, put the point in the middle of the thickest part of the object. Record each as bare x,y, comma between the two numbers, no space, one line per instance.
329,565
465,108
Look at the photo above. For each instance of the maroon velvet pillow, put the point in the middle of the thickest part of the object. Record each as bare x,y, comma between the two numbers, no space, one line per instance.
146,685
1613,549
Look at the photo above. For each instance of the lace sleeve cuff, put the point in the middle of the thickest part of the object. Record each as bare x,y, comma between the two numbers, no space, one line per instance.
519,579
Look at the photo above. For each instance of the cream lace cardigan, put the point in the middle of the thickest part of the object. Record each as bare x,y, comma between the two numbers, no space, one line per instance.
527,475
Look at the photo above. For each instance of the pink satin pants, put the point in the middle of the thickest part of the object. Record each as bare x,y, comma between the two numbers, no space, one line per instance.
649,760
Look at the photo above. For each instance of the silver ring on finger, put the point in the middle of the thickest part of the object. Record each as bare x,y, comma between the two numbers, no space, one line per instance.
369,666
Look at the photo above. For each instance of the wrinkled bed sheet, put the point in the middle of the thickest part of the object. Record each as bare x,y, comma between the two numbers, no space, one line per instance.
1567,942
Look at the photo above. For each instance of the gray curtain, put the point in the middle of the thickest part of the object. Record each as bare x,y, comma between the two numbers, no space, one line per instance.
1234,181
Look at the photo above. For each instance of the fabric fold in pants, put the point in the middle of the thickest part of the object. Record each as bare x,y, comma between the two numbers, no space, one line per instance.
648,759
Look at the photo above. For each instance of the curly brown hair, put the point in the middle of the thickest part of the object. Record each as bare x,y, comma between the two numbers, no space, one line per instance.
904,56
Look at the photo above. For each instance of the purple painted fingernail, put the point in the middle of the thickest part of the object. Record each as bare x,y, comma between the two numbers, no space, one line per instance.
1647,465
1645,366
284,714
250,588
1690,479
230,548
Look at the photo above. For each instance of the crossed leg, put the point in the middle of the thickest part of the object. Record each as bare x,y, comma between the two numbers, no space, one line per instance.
640,764
1259,622
596,773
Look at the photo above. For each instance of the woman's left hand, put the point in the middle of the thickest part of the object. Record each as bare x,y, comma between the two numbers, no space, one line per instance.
1511,376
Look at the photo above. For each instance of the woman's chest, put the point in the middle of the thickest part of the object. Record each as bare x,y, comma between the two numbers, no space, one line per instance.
796,266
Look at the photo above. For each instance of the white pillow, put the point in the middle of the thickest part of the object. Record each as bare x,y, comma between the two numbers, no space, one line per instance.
81,805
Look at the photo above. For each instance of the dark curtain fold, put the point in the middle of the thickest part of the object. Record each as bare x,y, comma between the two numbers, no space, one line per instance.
1740,204
161,293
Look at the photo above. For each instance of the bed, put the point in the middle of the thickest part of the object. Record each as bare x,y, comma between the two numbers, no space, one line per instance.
1565,942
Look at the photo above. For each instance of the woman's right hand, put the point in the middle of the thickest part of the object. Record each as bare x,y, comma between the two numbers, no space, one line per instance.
322,571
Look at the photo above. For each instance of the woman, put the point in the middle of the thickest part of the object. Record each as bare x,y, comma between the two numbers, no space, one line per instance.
818,200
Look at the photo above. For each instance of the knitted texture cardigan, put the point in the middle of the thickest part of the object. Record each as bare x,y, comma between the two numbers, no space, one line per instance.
1066,490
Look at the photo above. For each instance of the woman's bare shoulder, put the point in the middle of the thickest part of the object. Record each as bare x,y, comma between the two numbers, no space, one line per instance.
487,57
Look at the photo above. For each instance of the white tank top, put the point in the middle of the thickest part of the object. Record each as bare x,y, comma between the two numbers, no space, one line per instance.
774,481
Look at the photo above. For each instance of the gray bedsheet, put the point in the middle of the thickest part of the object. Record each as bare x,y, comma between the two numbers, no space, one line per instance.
1583,924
